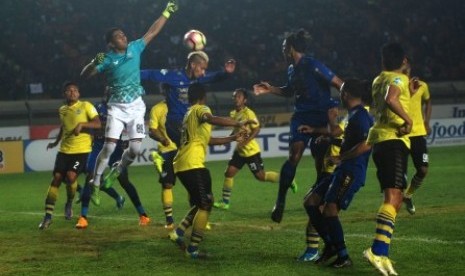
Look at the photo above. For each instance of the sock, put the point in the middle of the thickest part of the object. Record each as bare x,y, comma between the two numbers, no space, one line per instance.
111,192
318,221
186,222
227,189
131,191
71,192
272,177
167,201
336,234
385,220
50,200
198,229
85,199
285,180
414,185
312,239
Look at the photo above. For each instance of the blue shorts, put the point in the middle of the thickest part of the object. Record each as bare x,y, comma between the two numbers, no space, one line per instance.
313,119
345,182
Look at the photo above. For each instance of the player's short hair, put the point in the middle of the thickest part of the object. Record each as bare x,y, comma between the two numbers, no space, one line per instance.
197,56
392,56
196,92
68,83
299,40
358,89
243,91
109,34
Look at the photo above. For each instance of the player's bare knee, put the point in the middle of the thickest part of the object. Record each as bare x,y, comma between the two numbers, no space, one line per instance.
260,176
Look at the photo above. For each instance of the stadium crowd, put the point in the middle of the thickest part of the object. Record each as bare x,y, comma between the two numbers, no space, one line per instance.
49,41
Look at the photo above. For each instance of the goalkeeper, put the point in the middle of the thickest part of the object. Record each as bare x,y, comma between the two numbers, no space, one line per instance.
126,109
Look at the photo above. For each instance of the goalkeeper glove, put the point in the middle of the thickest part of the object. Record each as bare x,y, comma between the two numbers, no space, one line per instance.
98,58
171,7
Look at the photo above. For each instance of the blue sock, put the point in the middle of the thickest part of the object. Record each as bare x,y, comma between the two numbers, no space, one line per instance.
111,192
337,235
286,176
140,210
318,222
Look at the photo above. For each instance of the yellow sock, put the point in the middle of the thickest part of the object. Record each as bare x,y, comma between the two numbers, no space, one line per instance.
227,189
386,219
272,176
71,190
50,200
167,201
198,227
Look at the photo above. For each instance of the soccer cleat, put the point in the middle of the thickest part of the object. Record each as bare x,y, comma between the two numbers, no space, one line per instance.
82,223
277,212
328,253
68,210
208,226
221,205
111,176
158,161
120,202
95,195
144,220
409,205
45,223
294,186
196,255
342,262
178,240
308,257
388,266
376,261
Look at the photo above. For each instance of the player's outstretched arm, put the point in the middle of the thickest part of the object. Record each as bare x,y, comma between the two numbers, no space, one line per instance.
57,140
156,27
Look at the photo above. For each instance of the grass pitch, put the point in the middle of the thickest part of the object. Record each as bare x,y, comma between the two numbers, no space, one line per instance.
243,241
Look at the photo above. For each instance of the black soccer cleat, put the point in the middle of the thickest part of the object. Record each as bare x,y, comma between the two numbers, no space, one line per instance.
277,212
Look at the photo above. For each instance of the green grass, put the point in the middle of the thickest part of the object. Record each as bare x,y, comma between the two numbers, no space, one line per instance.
243,241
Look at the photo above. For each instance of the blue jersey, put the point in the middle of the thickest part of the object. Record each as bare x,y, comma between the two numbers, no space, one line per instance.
178,83
123,73
309,82
356,131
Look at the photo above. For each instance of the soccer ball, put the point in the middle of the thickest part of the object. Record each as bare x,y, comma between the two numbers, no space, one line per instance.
195,40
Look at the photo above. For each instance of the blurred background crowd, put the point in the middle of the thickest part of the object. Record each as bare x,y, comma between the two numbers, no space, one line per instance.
49,41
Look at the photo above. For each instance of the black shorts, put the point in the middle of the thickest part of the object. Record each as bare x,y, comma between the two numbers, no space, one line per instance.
391,159
419,151
254,162
198,184
70,162
167,175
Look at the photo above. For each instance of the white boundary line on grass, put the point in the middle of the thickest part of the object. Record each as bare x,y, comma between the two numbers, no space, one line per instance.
269,228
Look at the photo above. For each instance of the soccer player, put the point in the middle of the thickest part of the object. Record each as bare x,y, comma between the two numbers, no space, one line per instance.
166,152
247,152
123,178
390,141
121,66
336,193
309,82
77,118
189,166
420,112
333,134
177,83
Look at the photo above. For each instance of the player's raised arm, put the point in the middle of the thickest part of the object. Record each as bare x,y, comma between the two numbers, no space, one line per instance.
156,27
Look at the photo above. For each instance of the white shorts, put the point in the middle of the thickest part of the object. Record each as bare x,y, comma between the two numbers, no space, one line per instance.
129,116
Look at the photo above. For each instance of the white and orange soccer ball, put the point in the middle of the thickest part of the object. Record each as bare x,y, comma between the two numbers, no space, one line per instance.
195,40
